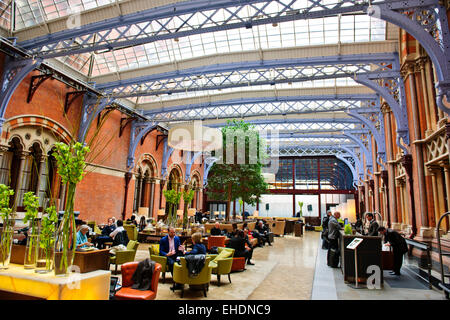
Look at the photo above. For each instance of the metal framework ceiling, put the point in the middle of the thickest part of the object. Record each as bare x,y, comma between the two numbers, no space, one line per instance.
190,60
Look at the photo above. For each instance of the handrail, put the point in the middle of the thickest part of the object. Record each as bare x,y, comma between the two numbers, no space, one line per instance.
427,247
438,236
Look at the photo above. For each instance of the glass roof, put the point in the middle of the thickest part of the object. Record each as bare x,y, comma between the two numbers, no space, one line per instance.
34,12
5,14
354,28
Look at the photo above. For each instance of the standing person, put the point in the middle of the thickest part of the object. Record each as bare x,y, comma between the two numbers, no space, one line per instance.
333,230
325,243
238,244
373,227
399,247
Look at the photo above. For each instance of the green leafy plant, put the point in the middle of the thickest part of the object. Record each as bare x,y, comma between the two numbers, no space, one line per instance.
31,204
5,214
70,160
300,204
173,198
348,228
241,204
188,195
240,175
47,235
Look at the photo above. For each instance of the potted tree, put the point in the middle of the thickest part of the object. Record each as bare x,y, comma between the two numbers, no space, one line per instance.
239,175
8,226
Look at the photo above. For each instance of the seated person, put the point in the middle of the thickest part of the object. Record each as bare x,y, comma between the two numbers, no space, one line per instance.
82,240
142,223
263,231
198,217
132,220
199,247
104,237
119,235
248,244
246,214
216,230
170,247
233,232
238,244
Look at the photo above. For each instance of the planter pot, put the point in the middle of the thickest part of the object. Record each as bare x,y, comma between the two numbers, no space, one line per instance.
65,238
31,251
7,232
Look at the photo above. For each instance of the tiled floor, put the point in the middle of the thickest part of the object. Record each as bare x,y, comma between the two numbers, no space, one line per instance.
294,268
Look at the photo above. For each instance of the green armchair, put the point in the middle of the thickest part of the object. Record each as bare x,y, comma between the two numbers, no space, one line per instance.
128,255
132,231
222,265
154,256
181,276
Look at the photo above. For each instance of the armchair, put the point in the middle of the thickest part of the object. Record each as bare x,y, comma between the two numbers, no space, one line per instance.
132,231
154,255
128,293
222,265
128,255
216,241
181,276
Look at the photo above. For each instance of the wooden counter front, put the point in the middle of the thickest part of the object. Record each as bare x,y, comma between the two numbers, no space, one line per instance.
369,253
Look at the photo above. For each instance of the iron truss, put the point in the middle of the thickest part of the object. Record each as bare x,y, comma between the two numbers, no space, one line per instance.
240,108
425,20
251,73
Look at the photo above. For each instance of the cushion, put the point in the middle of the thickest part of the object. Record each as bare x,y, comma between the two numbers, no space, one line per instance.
154,249
222,255
127,293
131,245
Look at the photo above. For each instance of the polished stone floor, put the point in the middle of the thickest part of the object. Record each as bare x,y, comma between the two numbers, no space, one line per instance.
294,268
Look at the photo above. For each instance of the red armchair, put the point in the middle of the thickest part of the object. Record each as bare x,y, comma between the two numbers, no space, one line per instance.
216,241
127,293
238,264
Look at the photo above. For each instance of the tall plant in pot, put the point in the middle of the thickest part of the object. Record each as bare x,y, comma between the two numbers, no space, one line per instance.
8,226
31,203
70,160
44,263
173,198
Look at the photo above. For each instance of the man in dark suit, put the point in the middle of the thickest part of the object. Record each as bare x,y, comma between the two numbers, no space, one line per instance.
170,247
373,227
237,242
216,230
399,247
263,231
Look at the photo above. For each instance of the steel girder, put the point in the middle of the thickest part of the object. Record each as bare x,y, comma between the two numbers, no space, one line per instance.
92,107
13,74
246,73
179,20
138,130
425,20
262,106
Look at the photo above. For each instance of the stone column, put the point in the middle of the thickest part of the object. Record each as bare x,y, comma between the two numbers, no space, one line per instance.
390,185
42,160
409,75
447,190
3,149
152,197
22,156
385,178
407,164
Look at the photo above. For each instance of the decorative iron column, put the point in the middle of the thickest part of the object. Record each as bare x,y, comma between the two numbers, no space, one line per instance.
128,176
384,177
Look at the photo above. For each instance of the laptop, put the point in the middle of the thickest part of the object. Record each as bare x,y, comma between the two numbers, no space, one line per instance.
114,286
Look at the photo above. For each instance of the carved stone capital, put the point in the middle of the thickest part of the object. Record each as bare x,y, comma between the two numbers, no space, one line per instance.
385,109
